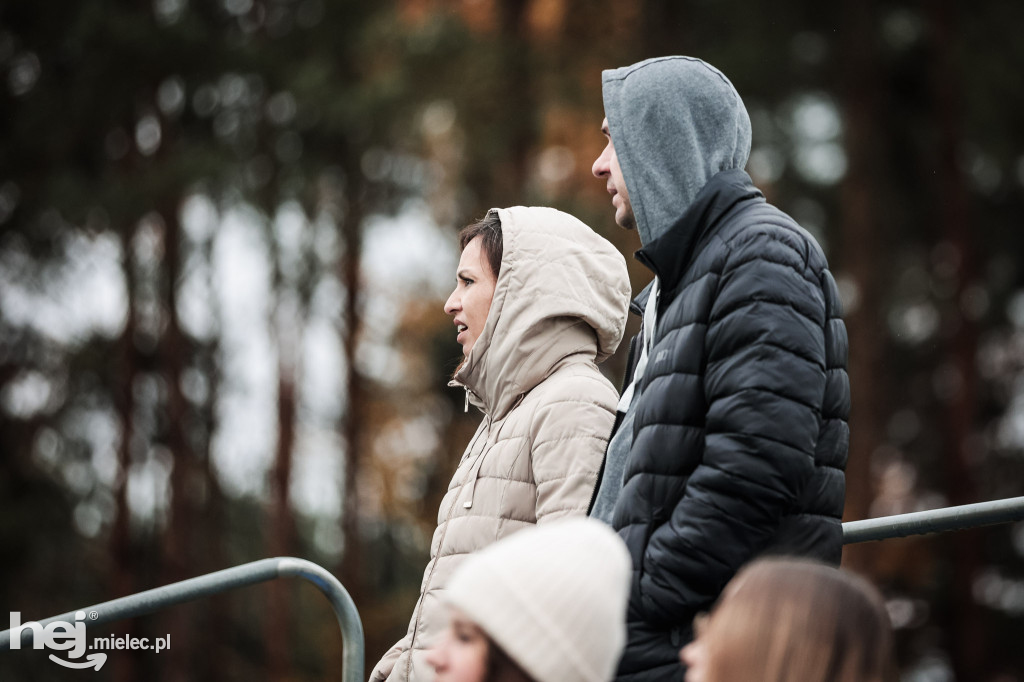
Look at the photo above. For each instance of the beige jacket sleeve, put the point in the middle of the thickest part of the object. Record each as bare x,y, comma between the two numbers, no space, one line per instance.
383,669
569,432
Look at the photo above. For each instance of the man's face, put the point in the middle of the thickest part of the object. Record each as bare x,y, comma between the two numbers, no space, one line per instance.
607,168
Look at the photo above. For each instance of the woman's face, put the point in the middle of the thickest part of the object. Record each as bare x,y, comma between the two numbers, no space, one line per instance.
461,654
471,300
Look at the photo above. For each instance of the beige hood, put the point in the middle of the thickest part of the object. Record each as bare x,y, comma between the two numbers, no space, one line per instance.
562,290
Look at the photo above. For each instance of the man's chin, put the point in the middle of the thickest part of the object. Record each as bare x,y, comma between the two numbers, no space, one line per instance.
625,221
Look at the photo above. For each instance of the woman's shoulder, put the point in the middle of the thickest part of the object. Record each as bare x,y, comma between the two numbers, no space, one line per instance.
574,382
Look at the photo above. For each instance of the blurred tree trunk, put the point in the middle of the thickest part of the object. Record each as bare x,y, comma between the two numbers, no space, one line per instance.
352,431
211,542
860,260
516,77
662,20
179,537
214,668
965,628
122,580
282,524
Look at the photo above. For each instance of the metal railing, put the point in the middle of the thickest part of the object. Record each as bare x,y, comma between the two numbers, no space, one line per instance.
934,521
901,525
231,578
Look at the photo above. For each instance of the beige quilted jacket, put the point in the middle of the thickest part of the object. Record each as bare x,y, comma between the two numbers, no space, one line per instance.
559,308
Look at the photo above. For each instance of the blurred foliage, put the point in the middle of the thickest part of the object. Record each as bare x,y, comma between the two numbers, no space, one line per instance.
207,357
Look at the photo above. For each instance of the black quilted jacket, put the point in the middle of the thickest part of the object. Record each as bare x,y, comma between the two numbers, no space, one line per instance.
740,438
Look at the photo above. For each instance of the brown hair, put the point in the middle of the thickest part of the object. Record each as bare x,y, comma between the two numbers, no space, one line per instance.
786,620
501,667
488,229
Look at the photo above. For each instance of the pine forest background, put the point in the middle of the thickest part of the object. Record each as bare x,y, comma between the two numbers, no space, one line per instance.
227,228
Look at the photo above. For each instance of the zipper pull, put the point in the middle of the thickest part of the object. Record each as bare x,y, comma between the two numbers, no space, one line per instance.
466,408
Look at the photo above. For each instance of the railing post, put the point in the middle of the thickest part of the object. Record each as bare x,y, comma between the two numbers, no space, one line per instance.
352,663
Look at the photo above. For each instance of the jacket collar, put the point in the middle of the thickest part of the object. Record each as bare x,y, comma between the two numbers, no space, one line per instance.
669,255
640,302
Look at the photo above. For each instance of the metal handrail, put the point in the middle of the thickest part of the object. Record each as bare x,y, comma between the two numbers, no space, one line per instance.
900,525
232,578
934,520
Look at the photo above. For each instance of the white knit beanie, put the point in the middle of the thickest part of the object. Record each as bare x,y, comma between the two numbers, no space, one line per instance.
553,597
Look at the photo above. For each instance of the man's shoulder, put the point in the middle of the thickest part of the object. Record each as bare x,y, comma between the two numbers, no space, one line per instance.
762,231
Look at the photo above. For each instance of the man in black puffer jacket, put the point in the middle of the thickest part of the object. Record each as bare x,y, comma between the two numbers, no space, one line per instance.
732,434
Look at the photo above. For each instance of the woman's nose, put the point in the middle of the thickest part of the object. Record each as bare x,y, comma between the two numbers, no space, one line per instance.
434,658
451,306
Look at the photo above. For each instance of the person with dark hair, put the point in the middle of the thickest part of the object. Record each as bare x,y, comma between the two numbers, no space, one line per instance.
545,605
732,436
790,620
540,299
488,229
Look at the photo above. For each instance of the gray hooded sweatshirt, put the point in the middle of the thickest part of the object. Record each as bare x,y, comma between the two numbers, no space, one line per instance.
675,123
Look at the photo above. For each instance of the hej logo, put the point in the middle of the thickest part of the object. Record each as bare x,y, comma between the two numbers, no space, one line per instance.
60,636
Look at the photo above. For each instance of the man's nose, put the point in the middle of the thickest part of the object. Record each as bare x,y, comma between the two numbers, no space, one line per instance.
600,167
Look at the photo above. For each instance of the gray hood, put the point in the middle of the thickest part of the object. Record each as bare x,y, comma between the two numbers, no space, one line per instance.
675,123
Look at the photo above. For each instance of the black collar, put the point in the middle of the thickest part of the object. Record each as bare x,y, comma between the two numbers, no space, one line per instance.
669,255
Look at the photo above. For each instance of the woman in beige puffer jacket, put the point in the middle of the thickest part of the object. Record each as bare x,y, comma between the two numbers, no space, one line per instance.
558,308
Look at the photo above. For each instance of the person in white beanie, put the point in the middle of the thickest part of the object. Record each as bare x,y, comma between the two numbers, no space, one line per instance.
547,604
